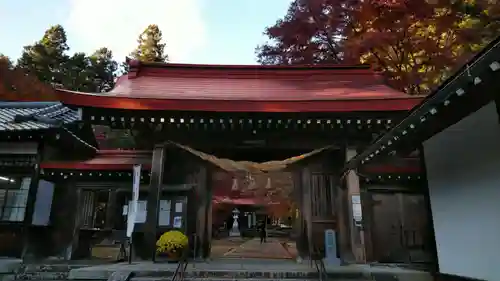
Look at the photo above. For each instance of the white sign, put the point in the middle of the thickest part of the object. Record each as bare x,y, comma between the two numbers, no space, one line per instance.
140,212
178,207
132,212
357,213
164,213
331,248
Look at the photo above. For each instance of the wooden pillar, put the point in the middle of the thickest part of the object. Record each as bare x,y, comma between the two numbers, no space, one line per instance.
157,169
342,221
306,203
367,208
299,227
110,209
353,190
30,205
201,213
75,231
431,234
208,213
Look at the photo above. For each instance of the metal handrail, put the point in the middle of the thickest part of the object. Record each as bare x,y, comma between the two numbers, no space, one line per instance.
319,264
180,271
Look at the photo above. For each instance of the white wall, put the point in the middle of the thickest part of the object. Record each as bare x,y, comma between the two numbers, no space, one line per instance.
463,172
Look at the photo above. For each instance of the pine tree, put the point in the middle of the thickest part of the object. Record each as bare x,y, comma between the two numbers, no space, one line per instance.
46,58
150,47
104,70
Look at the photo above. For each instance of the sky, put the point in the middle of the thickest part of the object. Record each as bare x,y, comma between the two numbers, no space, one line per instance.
196,31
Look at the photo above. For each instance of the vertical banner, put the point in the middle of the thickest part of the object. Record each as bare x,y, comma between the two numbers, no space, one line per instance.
132,209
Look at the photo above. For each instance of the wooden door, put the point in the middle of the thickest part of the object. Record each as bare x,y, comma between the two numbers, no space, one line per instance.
322,198
399,228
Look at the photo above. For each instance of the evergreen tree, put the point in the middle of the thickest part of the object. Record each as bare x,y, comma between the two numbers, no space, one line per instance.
46,58
104,70
150,48
78,73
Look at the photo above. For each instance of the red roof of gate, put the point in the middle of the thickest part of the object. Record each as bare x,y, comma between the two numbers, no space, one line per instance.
251,88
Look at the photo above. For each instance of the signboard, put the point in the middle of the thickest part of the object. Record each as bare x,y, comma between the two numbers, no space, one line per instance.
132,209
331,248
357,214
164,213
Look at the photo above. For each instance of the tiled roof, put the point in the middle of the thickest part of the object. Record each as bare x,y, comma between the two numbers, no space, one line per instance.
179,81
23,116
152,86
342,86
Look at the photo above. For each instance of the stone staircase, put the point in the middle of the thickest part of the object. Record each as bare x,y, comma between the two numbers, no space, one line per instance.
234,275
256,270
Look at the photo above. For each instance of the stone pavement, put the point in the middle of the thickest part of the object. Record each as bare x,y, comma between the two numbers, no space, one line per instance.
272,249
221,246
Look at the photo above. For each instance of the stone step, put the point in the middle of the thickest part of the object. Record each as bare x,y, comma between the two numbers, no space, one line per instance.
250,275
189,277
52,267
243,279
52,275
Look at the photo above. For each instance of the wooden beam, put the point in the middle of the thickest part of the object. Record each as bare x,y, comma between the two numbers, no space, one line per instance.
157,169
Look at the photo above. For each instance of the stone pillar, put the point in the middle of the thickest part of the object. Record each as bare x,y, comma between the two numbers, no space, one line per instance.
356,230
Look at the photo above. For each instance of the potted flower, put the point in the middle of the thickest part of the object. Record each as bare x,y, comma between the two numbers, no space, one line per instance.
172,243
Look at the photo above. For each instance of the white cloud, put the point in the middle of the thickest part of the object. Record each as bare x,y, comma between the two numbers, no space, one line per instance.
116,24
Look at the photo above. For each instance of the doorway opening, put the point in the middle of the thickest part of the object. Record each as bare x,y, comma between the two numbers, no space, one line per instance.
254,214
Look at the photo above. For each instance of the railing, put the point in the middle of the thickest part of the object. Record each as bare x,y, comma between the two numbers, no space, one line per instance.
180,271
317,259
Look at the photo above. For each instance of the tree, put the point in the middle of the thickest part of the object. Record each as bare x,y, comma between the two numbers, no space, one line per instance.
416,44
6,62
150,47
309,33
15,85
104,70
46,58
78,73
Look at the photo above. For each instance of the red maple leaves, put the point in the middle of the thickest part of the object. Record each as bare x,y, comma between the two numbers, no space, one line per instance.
416,44
15,85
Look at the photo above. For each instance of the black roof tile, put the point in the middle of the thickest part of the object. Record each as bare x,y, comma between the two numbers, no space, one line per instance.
24,116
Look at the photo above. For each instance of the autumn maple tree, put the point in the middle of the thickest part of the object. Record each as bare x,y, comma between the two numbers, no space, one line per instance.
416,44
15,85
